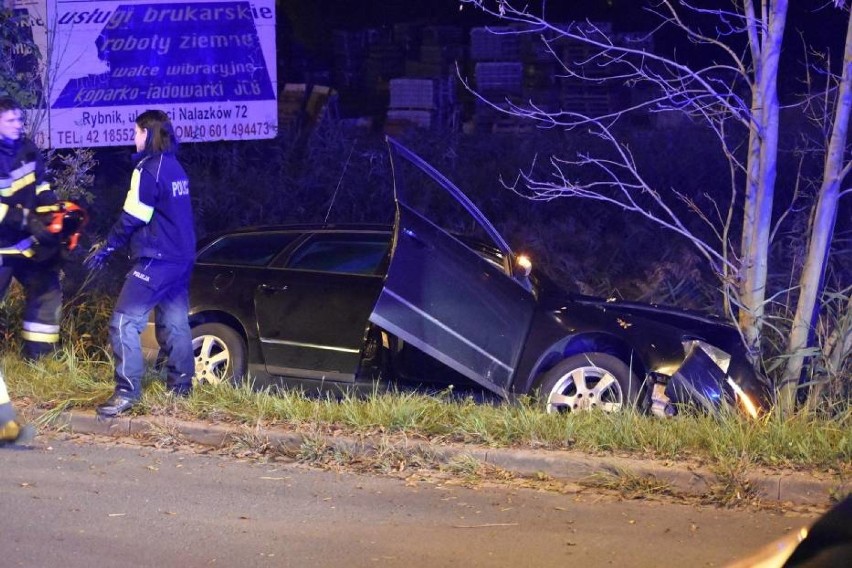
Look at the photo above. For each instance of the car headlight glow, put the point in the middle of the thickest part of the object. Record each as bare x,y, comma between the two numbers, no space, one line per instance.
744,399
523,264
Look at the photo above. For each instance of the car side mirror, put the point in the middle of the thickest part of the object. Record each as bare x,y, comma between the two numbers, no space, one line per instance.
522,266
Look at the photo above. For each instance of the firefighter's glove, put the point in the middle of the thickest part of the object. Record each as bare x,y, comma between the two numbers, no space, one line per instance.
36,227
98,255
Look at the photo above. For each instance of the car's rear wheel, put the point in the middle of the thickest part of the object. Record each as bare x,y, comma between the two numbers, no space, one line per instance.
220,354
588,381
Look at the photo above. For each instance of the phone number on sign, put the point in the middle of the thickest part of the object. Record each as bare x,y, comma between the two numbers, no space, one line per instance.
188,132
220,131
109,136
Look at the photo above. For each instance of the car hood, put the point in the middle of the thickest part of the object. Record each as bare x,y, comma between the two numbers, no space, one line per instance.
678,322
670,315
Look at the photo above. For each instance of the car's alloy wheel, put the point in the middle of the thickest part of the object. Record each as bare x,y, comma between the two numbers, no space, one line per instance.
220,354
588,381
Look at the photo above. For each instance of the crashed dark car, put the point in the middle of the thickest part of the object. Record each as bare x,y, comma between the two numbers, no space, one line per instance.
352,305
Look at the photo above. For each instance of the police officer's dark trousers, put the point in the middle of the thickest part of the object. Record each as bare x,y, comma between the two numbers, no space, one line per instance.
161,286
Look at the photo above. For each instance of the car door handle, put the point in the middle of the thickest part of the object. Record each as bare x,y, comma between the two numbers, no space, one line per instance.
223,280
268,288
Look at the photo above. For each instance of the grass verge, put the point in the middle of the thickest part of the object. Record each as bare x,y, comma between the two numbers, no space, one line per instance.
728,444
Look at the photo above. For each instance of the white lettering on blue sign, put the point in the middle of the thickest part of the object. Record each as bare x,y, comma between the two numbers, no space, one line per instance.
188,40
209,64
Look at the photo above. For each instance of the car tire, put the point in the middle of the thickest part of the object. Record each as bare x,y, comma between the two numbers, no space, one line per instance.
588,381
220,354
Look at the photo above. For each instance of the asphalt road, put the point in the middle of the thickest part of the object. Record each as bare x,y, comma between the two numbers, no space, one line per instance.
89,501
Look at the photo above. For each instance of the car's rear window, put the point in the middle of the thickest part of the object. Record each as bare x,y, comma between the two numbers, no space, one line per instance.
246,250
350,254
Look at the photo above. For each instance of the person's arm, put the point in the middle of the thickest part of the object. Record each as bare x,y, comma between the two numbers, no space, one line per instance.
22,219
137,211
12,216
43,189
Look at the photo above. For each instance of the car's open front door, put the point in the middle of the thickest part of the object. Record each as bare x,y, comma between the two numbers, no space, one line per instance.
445,298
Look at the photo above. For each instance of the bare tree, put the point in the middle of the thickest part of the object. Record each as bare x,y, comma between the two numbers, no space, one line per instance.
735,91
836,169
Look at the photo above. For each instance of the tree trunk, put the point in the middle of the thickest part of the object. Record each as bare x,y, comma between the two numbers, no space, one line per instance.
825,215
835,349
760,192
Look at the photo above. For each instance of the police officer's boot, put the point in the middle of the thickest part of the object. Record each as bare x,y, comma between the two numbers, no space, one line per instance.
17,434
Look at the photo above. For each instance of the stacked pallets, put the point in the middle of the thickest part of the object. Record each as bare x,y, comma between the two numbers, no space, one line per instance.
425,97
411,73
498,78
421,103
300,104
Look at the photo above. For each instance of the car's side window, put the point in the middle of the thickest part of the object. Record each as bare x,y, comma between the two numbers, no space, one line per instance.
350,254
246,250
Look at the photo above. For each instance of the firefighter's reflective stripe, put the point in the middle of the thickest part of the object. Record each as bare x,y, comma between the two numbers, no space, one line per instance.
40,332
133,204
23,170
52,208
4,209
23,182
42,187
18,178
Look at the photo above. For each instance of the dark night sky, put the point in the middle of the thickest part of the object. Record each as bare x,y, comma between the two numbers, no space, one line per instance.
351,14
310,22
373,12
626,13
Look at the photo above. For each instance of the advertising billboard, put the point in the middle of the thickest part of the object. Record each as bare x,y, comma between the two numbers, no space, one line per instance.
209,64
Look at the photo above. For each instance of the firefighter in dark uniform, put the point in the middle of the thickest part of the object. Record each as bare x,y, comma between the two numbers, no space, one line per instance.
23,188
157,223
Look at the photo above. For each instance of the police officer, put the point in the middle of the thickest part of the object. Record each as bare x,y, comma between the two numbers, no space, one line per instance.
157,222
23,187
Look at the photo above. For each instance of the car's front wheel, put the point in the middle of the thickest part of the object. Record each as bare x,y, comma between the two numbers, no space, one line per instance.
588,381
220,354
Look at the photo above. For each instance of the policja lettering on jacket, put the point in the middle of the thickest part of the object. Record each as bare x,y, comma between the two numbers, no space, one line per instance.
140,276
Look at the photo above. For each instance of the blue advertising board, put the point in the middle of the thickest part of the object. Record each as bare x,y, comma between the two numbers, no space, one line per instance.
209,64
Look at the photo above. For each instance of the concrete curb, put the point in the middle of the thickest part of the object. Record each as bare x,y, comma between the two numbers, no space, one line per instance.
784,487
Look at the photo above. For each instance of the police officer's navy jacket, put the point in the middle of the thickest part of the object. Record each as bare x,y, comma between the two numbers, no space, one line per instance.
23,185
157,214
